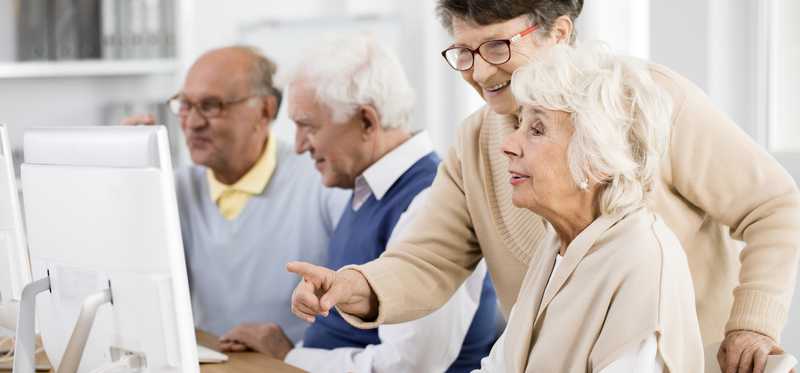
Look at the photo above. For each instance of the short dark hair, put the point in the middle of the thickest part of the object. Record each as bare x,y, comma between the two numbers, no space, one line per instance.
486,12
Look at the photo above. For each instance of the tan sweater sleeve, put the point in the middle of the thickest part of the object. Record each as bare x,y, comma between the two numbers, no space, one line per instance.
720,170
419,272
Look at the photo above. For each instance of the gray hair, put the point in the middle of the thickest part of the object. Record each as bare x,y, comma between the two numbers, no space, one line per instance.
346,72
485,12
621,117
262,74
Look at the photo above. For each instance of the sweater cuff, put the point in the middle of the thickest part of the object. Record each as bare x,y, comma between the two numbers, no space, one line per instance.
357,321
759,312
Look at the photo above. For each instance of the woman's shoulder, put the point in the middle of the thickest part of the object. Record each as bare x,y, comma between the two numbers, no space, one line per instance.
641,241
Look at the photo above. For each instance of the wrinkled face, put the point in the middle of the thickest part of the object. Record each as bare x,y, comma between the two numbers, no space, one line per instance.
339,150
537,152
217,142
492,81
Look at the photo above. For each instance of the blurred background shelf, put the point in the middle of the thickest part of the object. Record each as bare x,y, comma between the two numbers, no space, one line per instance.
92,68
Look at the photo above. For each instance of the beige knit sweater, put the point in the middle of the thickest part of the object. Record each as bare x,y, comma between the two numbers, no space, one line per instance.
716,187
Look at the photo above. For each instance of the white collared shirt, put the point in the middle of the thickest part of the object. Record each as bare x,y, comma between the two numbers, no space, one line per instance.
381,175
414,346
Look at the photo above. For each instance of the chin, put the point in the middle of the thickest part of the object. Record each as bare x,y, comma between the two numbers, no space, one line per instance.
199,159
332,181
328,182
517,202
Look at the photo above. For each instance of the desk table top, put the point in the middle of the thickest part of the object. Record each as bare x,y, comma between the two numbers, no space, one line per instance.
240,362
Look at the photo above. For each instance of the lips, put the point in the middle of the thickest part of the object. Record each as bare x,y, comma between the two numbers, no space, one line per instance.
196,141
517,178
497,87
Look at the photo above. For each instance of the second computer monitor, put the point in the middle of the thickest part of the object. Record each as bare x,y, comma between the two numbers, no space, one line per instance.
101,213
14,267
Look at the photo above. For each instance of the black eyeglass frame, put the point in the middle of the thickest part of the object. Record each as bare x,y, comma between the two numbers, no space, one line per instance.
222,106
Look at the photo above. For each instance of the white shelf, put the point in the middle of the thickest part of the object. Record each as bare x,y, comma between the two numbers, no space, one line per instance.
67,69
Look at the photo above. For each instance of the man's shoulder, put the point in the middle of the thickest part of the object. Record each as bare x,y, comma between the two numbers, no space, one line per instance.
187,175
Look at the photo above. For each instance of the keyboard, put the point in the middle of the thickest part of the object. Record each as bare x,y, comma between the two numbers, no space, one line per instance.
209,356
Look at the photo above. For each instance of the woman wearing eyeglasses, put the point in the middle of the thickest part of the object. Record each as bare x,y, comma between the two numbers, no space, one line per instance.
716,188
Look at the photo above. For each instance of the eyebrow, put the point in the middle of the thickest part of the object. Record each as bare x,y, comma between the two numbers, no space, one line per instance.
495,36
539,112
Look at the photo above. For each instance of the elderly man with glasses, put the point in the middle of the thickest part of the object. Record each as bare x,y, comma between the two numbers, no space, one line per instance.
249,204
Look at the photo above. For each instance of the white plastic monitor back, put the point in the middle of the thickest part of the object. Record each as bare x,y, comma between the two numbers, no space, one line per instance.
15,270
101,210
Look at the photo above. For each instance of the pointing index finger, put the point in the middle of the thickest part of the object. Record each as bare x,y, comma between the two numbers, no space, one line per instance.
317,275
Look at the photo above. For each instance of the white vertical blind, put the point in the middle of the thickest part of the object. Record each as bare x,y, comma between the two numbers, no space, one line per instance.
785,76
623,24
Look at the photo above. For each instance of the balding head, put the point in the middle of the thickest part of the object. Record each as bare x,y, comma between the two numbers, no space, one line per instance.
229,103
235,69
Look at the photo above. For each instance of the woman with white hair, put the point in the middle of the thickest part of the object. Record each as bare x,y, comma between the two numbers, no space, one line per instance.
610,289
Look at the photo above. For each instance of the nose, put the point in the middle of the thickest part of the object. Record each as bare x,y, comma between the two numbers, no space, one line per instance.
193,119
511,146
301,143
482,70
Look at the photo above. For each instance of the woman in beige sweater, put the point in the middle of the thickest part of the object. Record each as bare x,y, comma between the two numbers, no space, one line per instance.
608,289
735,210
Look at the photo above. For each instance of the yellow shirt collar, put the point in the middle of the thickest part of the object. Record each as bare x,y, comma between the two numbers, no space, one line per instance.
255,180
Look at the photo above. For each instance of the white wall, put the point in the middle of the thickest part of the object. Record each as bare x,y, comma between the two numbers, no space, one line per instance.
679,37
71,101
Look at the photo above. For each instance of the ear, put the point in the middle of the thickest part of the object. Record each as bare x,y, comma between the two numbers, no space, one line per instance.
562,29
270,109
369,119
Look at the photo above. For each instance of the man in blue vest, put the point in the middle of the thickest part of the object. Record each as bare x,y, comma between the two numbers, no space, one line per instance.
351,103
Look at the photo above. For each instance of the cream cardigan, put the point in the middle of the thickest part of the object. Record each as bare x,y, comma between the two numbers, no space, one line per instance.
622,279
716,187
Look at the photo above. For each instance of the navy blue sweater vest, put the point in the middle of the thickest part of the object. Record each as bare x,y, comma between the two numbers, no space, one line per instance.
361,236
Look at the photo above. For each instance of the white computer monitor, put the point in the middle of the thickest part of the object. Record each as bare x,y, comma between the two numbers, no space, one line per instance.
101,214
14,267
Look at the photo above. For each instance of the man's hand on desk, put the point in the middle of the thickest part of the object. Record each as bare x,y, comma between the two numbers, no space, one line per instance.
268,339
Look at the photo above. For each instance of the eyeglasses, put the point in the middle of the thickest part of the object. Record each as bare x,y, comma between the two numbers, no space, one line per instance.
495,52
207,108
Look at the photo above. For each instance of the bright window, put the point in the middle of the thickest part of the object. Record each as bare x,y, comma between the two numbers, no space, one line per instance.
784,82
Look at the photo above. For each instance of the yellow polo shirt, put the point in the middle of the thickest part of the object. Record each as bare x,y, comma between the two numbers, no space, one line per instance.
231,199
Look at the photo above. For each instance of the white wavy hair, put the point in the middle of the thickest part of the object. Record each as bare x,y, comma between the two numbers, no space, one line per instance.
621,117
348,71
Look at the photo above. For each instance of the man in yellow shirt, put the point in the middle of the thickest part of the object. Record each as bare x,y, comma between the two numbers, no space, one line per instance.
248,204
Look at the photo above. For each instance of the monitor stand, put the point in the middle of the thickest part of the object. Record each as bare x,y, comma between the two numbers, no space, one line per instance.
24,359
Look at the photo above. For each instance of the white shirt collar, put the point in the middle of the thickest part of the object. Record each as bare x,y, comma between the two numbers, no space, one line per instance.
381,175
